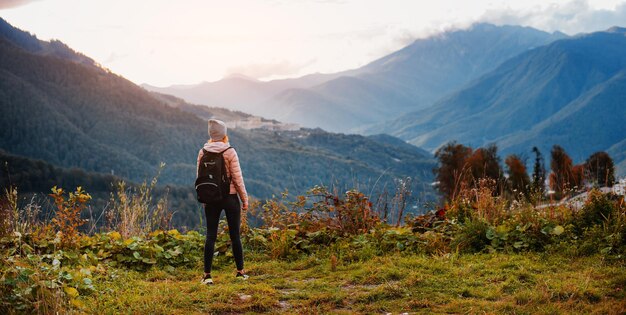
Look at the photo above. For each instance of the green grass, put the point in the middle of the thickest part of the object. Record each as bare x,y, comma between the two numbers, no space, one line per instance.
526,283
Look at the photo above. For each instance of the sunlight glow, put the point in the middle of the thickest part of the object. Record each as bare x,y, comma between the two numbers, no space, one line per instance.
163,42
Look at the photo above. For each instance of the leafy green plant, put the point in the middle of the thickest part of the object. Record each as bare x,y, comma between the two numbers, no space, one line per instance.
472,237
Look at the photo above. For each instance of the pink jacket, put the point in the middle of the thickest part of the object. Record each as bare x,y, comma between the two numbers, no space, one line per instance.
233,169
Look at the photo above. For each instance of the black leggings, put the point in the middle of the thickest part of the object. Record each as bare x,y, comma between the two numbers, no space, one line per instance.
212,212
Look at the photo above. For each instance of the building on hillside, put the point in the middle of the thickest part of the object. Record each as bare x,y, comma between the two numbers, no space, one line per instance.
255,122
619,188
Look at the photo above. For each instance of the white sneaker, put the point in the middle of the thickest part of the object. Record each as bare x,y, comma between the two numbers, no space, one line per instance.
207,280
241,276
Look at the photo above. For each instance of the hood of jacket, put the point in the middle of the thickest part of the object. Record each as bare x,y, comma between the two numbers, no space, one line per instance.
216,147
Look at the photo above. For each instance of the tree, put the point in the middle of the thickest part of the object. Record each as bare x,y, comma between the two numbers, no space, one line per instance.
485,163
539,172
453,169
578,176
518,180
600,169
562,177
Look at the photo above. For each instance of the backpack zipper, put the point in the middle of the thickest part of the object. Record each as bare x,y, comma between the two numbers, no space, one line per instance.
206,184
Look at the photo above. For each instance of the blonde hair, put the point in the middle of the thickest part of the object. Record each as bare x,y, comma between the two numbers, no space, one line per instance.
225,140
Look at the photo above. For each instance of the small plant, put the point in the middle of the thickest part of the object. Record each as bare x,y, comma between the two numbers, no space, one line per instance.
9,213
129,209
67,217
472,237
401,198
333,263
275,213
597,209
352,215
161,217
132,212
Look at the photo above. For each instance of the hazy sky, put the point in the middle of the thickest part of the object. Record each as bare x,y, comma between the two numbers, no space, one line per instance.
163,42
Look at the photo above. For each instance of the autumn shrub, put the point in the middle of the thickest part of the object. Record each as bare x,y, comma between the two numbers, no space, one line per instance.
278,212
279,223
484,201
311,222
67,216
460,211
350,215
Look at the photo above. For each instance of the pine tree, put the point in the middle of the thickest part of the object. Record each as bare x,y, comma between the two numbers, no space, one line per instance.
539,173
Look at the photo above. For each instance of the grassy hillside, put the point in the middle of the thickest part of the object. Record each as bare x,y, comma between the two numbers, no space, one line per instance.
492,283
336,256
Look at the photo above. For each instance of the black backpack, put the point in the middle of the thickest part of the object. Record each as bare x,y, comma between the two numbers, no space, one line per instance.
212,183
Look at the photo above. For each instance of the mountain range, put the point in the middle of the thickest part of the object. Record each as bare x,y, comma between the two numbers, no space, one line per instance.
570,92
407,80
515,86
65,110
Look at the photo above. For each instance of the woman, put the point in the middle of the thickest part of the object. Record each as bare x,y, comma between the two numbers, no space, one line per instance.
218,142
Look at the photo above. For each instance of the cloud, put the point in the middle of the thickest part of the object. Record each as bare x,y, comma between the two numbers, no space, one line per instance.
272,69
572,17
283,2
8,4
113,57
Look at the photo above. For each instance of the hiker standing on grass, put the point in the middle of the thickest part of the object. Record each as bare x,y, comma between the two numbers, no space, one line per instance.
217,151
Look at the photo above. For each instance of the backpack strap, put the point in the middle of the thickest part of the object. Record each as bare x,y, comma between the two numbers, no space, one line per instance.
224,150
221,153
204,151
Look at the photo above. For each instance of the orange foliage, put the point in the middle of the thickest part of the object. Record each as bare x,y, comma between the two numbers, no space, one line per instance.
67,218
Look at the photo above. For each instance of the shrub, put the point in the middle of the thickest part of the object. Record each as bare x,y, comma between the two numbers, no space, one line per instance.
597,209
67,217
351,215
601,225
472,237
460,211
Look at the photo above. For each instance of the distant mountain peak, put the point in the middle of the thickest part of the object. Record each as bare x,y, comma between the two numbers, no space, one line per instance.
617,29
482,26
240,76
32,44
